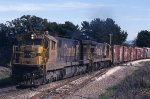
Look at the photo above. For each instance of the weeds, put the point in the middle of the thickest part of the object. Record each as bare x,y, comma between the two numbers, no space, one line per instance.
4,74
135,86
110,91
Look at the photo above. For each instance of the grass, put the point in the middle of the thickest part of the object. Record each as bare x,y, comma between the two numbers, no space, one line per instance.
108,93
135,86
5,77
4,74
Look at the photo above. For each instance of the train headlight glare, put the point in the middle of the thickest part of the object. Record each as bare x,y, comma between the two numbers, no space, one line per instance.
32,36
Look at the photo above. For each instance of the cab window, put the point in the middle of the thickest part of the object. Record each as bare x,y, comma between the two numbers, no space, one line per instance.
46,44
53,45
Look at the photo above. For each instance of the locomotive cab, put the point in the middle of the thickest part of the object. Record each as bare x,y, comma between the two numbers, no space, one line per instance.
28,61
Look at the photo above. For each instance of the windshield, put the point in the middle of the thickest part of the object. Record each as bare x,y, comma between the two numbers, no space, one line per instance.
33,42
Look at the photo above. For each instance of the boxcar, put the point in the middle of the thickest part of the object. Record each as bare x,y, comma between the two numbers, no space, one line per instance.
145,50
125,53
129,49
148,52
132,53
139,53
117,54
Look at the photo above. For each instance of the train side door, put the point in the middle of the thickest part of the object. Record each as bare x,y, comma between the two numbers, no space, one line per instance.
52,52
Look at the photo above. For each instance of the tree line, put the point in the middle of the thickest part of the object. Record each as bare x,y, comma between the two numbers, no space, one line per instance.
143,39
97,29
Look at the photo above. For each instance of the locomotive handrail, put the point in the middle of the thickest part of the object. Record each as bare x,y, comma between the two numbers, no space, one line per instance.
18,52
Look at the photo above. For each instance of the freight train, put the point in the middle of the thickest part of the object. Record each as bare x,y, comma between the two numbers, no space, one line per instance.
41,58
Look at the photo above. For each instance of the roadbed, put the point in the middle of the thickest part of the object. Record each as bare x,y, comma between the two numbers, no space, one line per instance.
99,84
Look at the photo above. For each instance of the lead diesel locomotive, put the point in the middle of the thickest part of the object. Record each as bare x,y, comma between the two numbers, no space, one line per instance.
40,58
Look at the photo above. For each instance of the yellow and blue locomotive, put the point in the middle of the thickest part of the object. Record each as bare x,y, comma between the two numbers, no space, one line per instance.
40,58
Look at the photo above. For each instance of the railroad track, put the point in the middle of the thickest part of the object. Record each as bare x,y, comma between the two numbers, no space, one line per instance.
57,88
70,86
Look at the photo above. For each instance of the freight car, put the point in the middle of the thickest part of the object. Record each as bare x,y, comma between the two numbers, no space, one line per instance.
123,54
43,58
148,53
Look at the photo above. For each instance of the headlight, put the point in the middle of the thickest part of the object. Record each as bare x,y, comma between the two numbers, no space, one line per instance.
32,36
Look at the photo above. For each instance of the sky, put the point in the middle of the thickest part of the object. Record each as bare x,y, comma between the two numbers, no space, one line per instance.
131,15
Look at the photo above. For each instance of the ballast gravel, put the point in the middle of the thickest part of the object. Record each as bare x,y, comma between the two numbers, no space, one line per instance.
99,84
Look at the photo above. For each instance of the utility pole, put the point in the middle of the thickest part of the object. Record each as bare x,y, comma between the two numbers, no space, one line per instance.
110,38
112,51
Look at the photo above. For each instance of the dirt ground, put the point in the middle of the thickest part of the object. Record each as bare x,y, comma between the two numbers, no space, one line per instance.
111,78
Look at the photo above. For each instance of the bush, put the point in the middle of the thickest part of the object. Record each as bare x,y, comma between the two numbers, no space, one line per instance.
135,86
